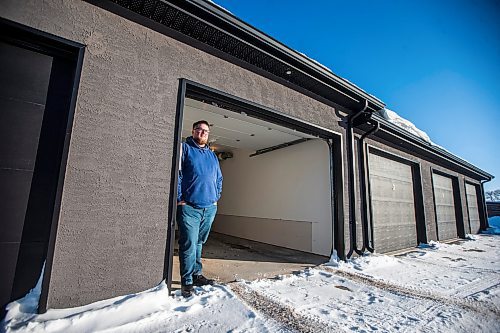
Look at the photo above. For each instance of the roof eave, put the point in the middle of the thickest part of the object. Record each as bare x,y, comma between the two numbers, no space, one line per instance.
435,150
374,103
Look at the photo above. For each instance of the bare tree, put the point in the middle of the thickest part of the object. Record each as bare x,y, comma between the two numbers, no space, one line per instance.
492,195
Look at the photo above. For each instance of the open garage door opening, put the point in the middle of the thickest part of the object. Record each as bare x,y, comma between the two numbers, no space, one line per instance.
275,213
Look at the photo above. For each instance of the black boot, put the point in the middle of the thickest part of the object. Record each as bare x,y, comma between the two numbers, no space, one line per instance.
187,290
200,280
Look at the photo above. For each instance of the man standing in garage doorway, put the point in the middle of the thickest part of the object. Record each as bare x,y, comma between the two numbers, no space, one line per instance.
199,189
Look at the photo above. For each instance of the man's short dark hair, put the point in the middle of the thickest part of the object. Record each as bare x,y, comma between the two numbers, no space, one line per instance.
200,122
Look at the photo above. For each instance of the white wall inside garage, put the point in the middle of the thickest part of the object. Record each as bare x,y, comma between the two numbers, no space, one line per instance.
282,197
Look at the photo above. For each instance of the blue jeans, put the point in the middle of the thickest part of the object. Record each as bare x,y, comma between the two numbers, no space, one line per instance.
194,227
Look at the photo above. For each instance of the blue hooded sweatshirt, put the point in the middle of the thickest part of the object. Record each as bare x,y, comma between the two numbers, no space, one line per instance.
200,178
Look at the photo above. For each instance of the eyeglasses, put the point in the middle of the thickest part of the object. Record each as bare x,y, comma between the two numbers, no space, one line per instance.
201,130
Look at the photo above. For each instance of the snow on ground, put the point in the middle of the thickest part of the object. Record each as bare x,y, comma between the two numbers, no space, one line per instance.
436,287
214,309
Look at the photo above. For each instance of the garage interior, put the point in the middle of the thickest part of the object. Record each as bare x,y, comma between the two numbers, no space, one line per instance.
275,213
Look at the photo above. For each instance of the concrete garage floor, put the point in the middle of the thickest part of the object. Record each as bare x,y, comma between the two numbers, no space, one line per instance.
227,258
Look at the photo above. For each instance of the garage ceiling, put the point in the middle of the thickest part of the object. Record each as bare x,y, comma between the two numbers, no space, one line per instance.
233,130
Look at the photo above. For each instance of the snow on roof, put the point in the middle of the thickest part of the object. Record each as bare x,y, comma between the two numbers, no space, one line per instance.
220,7
315,61
331,71
405,124
408,126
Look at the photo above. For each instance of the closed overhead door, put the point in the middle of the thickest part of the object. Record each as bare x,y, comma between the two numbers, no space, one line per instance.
472,208
24,82
445,207
393,204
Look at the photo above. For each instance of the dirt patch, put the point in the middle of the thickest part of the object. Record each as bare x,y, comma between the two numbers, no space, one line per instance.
343,288
454,259
474,250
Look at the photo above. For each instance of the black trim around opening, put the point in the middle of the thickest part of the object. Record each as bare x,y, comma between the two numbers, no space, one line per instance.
197,91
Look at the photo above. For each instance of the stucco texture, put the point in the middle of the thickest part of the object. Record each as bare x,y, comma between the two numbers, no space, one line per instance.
112,227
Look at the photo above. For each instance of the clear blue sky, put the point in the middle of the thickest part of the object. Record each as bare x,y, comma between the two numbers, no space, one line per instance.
436,63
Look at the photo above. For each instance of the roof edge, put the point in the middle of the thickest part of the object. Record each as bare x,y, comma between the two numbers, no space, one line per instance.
435,150
247,28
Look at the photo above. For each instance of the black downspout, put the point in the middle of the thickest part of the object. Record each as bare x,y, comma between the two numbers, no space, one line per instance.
366,222
367,230
350,174
332,198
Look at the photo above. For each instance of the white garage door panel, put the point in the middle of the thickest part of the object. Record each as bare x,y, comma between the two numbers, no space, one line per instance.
472,208
445,207
393,204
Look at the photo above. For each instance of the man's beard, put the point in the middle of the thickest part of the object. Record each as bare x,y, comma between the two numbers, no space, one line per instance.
201,141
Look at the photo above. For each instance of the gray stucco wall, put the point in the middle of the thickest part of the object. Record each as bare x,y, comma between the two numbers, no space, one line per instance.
112,228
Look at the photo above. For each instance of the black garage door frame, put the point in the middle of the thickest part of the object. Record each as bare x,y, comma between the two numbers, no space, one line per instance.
480,205
417,191
198,91
50,166
457,201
